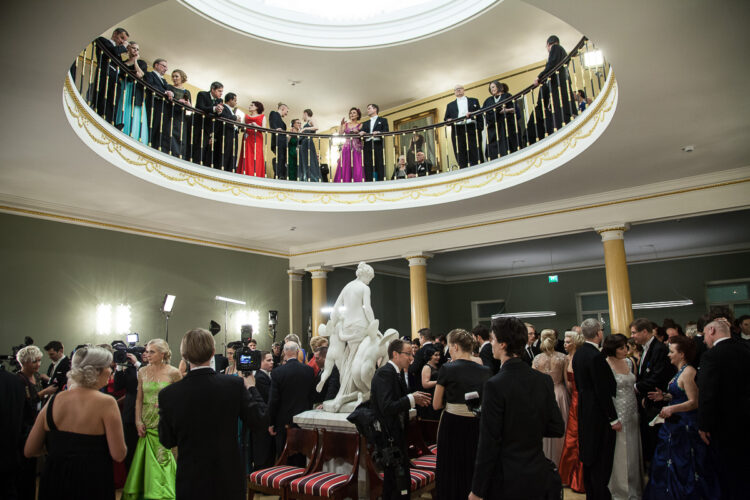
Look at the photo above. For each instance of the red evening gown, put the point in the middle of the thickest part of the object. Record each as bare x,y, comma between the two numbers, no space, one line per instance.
571,467
251,157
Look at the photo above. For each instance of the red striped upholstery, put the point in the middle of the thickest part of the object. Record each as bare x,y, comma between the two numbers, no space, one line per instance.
274,477
433,448
419,478
319,484
425,462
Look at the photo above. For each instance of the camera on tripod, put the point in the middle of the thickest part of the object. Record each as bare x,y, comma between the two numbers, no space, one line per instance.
11,358
247,360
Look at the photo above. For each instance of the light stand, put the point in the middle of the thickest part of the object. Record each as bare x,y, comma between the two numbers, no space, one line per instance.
166,307
227,301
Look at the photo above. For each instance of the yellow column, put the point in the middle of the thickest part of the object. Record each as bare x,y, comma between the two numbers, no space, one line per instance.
295,301
618,283
319,277
420,312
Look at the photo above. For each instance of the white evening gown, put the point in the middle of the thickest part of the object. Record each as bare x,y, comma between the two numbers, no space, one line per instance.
626,481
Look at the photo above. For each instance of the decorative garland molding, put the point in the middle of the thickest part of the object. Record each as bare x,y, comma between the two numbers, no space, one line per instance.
179,175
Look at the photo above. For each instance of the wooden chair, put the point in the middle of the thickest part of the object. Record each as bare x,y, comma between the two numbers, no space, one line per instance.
274,480
422,481
317,484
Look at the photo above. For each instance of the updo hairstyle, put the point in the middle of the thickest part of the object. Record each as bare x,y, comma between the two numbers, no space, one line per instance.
161,346
575,337
87,365
461,339
549,339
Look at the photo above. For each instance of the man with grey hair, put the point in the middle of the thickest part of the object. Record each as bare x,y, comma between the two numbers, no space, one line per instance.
199,413
724,406
597,417
292,391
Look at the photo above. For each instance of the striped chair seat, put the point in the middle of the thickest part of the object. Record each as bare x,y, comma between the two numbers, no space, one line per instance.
433,448
419,478
425,462
274,477
319,484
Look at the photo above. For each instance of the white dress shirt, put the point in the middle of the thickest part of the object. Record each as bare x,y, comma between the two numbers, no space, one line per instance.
398,371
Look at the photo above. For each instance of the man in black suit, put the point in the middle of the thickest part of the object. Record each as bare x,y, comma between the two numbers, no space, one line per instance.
482,335
466,134
531,349
279,142
126,377
422,167
199,415
225,151
518,411
292,391
205,126
555,93
724,407
654,371
597,417
421,357
373,148
107,51
159,109
391,403
57,372
11,436
262,441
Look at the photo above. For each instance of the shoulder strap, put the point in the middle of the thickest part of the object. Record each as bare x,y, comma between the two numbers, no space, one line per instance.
50,421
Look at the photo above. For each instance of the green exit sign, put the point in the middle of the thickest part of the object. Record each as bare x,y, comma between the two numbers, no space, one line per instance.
552,278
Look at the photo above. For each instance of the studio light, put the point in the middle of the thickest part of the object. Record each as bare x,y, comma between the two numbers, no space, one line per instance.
593,59
168,303
662,304
122,319
528,314
251,318
227,299
104,319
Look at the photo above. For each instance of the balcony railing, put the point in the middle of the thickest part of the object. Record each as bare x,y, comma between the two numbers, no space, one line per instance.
506,126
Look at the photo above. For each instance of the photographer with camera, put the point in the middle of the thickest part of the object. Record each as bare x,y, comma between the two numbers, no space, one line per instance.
391,405
126,377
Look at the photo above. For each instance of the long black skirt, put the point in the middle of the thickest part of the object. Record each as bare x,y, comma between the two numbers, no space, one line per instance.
457,442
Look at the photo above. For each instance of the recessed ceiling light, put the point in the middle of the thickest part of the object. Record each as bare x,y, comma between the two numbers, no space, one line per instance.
689,148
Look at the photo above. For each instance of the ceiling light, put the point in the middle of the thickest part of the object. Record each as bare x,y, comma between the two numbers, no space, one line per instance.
233,301
593,59
104,319
689,148
665,303
529,314
168,303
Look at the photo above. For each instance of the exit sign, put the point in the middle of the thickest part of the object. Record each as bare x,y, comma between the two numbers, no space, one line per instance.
552,278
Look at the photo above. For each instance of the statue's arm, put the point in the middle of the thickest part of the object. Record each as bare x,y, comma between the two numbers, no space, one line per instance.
367,306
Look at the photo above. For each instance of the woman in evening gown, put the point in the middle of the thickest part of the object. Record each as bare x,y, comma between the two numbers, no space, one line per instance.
251,159
131,115
179,124
429,378
626,481
152,472
350,168
682,467
553,364
309,167
82,432
291,155
571,467
458,431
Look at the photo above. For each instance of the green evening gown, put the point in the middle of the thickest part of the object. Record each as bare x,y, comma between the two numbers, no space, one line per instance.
152,473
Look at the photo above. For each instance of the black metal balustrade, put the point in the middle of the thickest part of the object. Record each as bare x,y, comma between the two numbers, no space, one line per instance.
140,110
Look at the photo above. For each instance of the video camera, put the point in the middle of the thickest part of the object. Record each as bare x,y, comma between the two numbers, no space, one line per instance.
247,360
120,356
11,358
473,402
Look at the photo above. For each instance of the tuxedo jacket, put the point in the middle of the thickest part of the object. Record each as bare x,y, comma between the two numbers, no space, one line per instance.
556,55
205,103
155,80
451,111
263,384
59,376
534,351
275,121
700,348
389,400
488,359
655,370
292,392
381,125
518,410
596,387
199,415
724,395
110,51
11,436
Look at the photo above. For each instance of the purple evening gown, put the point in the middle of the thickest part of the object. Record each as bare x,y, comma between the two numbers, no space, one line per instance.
350,167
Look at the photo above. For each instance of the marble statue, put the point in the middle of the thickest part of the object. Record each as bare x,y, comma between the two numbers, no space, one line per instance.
354,343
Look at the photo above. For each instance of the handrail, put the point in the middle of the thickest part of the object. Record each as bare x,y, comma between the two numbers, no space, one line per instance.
542,119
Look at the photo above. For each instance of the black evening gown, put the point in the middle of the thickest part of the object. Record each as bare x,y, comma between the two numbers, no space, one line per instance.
78,466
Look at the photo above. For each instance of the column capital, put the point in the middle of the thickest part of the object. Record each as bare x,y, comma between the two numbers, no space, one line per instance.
417,258
612,231
319,271
295,274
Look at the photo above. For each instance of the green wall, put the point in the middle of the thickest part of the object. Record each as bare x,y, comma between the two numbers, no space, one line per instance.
55,274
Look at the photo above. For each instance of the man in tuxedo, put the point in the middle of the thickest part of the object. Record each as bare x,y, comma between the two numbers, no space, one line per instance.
391,404
421,357
199,415
654,371
225,152
466,134
11,435
107,50
597,417
743,322
555,93
205,126
159,109
279,142
518,411
57,372
532,344
126,377
724,407
292,390
422,167
482,335
373,148
262,441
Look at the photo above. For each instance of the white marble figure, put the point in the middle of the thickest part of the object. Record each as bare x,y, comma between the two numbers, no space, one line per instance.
354,343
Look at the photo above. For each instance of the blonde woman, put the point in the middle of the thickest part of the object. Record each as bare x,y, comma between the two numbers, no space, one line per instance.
571,467
152,472
82,432
553,363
